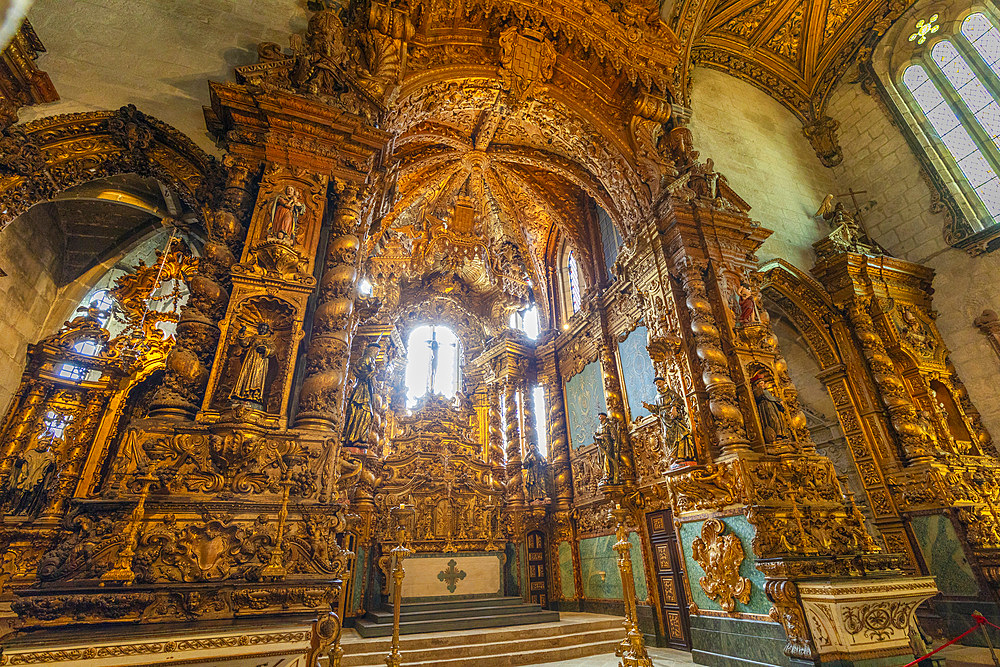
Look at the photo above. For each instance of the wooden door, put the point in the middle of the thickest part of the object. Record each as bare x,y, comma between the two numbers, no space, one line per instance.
670,579
536,568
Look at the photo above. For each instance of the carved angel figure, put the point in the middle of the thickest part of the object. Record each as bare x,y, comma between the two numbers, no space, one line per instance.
285,212
669,409
31,476
257,348
360,406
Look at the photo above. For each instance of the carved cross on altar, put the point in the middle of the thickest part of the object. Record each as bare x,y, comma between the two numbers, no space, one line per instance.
452,575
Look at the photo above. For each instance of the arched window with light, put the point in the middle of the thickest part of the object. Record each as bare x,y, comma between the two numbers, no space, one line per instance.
951,84
433,363
571,287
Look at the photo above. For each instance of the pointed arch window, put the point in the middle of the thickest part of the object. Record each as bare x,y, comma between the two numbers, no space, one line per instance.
954,90
573,275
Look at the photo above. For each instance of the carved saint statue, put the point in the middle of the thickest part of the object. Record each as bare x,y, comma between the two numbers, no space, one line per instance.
611,442
770,409
534,475
845,232
285,212
748,309
257,348
669,409
360,406
321,55
31,476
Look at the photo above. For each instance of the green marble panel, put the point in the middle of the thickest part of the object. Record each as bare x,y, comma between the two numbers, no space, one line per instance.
360,570
584,399
944,555
739,526
597,556
637,372
566,570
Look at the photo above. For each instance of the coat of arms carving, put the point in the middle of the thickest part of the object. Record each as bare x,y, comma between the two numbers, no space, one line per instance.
720,556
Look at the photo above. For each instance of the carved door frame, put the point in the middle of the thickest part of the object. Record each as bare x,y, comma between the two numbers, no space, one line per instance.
538,583
671,579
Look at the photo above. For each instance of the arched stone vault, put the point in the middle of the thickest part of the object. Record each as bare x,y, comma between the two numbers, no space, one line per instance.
45,157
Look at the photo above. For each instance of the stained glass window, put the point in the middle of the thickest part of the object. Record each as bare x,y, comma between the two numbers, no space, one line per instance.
573,271
956,89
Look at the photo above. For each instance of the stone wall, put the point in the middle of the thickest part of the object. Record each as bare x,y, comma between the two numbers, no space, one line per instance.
878,159
173,50
31,255
758,145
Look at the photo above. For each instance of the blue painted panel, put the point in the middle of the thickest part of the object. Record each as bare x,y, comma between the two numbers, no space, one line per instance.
584,399
637,372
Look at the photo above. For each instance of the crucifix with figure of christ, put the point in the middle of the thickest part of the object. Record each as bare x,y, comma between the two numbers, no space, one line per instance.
435,360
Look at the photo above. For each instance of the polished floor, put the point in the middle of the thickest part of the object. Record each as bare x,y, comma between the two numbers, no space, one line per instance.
661,657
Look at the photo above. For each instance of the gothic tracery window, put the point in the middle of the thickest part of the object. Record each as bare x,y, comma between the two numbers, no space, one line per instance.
954,89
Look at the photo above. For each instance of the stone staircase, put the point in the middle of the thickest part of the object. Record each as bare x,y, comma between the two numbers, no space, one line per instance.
464,614
577,635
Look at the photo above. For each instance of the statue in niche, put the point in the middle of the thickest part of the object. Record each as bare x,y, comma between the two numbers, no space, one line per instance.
257,347
924,419
25,491
610,441
285,212
770,409
748,308
360,412
534,475
669,409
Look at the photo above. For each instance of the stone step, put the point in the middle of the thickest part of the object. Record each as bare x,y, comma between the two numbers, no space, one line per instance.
578,623
369,628
541,647
510,659
461,603
382,616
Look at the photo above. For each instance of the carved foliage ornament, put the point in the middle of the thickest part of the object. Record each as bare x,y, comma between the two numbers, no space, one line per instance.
720,556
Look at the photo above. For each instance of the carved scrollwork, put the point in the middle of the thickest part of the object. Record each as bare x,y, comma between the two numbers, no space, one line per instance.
720,556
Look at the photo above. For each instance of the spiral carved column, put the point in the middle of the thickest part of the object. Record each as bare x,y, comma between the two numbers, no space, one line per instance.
321,399
197,336
730,431
515,476
494,433
562,470
902,412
